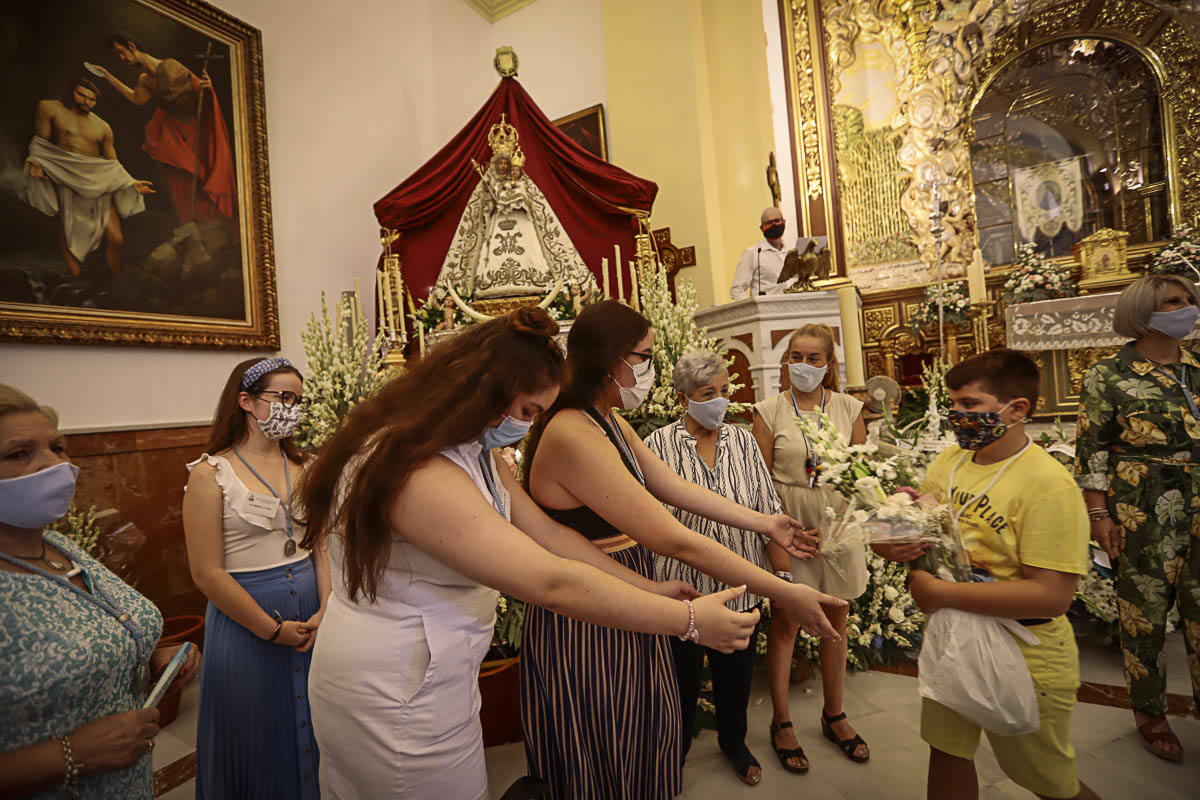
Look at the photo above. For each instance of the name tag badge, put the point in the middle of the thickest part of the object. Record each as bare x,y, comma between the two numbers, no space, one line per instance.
263,504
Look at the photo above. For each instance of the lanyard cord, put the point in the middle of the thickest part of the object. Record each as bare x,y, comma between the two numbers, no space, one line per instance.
954,515
1191,401
287,515
808,453
489,478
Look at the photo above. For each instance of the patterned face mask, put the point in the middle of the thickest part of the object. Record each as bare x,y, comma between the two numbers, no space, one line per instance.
975,430
281,422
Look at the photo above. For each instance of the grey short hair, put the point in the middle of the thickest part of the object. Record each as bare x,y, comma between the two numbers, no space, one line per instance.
1142,298
695,369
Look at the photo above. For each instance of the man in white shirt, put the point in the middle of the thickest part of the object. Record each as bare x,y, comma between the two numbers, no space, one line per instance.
759,267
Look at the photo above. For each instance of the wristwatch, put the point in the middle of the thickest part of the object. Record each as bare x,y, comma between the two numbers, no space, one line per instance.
784,575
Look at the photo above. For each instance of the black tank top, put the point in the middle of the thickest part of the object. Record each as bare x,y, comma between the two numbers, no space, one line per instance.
583,519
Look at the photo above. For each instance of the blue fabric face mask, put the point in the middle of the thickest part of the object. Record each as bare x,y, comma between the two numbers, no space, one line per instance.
34,501
1177,324
508,432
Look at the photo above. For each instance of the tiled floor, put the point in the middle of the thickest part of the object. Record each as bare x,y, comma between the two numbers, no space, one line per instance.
885,708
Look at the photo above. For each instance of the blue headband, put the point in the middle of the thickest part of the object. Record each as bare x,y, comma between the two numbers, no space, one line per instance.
256,371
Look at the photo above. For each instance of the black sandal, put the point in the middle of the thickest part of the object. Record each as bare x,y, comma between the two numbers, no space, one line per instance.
742,763
784,755
848,746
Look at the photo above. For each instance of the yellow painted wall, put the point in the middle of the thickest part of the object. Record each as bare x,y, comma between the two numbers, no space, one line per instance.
689,107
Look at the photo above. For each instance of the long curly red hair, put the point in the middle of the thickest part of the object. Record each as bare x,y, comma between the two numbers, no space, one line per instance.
443,400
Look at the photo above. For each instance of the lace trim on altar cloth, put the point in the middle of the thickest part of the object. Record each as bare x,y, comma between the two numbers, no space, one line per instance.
1065,324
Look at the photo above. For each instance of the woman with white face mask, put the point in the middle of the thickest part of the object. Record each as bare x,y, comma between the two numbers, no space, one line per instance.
811,374
600,708
79,644
723,458
266,593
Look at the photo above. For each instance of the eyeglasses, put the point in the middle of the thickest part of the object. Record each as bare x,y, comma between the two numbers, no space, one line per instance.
642,357
288,399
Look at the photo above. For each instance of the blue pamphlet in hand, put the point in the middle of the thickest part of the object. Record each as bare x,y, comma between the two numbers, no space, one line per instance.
174,666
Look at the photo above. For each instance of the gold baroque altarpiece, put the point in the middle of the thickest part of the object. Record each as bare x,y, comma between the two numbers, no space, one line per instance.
944,59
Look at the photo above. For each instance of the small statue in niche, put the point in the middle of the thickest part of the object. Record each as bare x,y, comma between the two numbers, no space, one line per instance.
581,296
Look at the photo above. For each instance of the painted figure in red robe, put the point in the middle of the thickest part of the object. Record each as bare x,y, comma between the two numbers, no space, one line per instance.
187,134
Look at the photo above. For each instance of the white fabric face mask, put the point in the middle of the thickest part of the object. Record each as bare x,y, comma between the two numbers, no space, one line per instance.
643,382
806,377
708,413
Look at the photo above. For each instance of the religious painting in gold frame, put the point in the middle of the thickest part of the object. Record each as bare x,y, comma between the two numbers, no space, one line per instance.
178,86
586,129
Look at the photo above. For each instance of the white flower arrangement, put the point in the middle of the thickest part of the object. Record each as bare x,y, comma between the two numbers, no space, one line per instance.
956,306
340,372
675,333
1034,278
1181,255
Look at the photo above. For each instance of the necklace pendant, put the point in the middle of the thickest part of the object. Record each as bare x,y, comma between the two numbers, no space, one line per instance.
289,549
141,679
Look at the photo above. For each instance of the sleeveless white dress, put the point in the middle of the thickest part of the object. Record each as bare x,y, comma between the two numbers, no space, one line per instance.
394,685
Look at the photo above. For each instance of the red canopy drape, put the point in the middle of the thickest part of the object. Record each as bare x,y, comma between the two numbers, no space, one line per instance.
593,199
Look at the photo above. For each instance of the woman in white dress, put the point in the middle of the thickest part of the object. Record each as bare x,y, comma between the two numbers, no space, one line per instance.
417,520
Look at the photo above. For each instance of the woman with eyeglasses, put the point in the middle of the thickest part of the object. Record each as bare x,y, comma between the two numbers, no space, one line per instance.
266,593
600,707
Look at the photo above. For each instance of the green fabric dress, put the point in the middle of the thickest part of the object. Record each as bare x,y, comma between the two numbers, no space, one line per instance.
1139,441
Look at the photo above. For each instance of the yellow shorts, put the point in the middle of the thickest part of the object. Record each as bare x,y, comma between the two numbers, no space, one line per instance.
1043,761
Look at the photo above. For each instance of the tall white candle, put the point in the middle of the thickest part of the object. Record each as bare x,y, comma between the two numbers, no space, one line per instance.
620,277
604,269
635,302
851,336
380,308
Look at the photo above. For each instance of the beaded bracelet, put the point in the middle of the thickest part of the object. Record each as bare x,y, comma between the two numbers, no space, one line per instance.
692,634
71,772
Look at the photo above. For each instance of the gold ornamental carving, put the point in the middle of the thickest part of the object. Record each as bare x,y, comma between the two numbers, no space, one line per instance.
1104,259
805,97
876,321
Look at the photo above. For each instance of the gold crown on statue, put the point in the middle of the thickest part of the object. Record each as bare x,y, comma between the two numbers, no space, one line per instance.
503,140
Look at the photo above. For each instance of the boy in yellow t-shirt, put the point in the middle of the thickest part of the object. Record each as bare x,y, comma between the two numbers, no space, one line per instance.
1025,528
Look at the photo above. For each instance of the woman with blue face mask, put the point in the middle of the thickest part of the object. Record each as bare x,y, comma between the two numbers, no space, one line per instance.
1137,458
80,646
722,458
810,370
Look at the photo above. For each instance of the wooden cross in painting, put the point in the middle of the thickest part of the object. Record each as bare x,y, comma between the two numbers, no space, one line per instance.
673,257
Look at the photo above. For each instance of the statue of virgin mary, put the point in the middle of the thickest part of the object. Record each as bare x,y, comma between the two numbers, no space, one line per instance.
509,242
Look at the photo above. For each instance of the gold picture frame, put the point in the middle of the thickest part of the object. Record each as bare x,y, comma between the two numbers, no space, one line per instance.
586,129
194,300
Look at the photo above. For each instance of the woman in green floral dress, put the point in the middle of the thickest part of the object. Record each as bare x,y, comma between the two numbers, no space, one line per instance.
1138,462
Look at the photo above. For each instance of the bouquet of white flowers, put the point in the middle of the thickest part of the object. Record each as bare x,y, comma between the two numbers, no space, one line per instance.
1034,278
956,306
877,502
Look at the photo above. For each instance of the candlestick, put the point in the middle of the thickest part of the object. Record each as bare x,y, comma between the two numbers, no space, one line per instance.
380,306
635,302
620,277
358,301
851,336
389,301
604,269
976,283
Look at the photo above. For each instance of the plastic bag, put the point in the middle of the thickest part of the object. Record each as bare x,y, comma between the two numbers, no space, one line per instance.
971,665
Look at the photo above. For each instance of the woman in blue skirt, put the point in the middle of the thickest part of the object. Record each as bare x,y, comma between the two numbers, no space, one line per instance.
266,594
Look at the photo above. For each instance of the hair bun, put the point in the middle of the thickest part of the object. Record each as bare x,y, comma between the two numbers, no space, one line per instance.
533,321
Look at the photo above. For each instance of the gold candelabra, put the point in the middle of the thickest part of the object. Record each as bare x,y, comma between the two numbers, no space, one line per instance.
979,325
389,283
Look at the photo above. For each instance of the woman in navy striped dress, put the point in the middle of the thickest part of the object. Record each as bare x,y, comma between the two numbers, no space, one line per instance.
266,594
600,708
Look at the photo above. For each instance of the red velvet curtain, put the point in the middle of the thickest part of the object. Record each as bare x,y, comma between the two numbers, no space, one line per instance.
593,199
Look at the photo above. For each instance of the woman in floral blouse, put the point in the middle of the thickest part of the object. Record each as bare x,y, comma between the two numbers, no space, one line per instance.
1138,461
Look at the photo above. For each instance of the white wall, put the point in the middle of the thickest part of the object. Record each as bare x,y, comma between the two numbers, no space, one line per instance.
359,93
777,80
